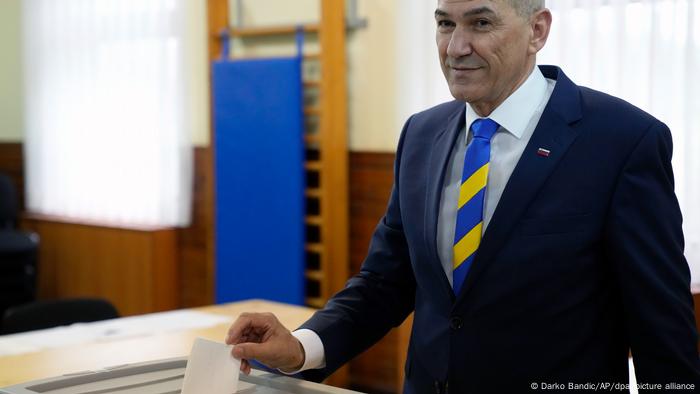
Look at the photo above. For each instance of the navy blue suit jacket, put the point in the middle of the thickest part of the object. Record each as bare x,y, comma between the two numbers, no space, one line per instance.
581,262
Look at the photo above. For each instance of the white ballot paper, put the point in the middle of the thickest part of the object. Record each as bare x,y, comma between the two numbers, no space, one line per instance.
211,369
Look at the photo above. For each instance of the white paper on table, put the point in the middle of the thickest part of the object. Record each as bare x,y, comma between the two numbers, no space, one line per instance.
10,347
211,369
108,330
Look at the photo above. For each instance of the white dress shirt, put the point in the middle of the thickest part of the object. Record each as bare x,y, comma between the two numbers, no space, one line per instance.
517,116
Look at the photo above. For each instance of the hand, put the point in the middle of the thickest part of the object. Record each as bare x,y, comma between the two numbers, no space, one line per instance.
262,337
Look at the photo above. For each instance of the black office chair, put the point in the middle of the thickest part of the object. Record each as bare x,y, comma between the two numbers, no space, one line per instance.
18,252
8,203
39,315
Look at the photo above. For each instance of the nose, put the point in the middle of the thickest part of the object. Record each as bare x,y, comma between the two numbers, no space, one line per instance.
460,44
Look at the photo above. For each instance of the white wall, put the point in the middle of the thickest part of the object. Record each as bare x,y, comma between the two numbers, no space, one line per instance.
275,12
372,56
372,61
11,117
198,43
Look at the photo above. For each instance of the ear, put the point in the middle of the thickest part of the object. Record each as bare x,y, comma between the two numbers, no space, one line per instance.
540,22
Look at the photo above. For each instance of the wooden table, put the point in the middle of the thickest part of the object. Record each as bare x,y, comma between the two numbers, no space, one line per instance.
54,362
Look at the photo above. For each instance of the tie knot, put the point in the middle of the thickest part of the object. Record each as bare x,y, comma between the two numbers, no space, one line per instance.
484,128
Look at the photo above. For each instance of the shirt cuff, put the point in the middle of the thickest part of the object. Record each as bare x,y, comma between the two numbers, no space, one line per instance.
315,356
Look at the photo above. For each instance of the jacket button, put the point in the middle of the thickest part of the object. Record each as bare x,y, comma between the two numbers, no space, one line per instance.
456,323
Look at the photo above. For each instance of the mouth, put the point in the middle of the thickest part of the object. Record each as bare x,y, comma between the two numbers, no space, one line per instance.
465,69
464,73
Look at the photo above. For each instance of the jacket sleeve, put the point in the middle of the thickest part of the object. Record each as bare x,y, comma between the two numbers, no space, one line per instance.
644,242
380,297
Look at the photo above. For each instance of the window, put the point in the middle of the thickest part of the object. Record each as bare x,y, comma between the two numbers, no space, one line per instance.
109,105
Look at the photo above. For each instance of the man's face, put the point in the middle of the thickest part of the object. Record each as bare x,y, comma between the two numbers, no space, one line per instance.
485,50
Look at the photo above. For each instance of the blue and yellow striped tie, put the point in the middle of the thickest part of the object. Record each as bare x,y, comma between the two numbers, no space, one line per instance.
470,208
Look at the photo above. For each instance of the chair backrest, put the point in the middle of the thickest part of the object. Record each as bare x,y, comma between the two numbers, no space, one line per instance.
47,314
8,202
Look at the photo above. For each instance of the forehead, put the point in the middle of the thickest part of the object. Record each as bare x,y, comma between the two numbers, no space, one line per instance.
458,7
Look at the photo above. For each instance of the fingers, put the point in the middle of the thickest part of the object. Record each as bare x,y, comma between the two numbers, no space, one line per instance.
262,337
245,352
264,352
245,367
274,354
238,328
249,324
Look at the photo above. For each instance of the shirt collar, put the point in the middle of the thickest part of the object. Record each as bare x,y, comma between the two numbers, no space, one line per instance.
515,112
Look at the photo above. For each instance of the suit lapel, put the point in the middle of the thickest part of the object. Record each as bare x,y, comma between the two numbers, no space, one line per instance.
553,133
440,154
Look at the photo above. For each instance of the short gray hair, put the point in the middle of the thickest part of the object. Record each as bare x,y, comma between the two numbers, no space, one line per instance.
526,7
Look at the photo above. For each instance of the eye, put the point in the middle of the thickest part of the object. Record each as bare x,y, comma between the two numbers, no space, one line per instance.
482,23
444,24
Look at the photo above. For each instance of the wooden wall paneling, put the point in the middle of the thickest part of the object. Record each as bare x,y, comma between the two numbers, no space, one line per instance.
195,245
371,179
379,369
133,268
164,270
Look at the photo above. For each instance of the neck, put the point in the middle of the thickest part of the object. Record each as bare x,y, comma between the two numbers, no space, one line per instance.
485,109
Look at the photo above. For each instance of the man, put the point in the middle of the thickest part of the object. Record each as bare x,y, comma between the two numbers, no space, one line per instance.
534,231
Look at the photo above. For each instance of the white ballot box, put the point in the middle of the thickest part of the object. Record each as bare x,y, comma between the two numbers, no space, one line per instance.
160,377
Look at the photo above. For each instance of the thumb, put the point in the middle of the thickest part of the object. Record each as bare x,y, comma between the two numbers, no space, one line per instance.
250,350
245,351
